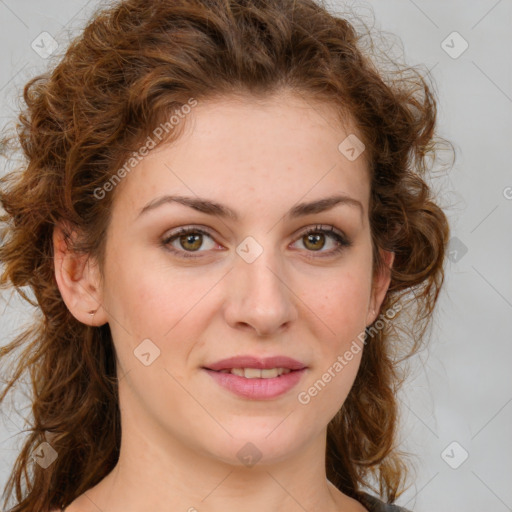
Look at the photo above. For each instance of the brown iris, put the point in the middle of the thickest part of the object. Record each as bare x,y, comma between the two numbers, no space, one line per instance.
314,238
195,239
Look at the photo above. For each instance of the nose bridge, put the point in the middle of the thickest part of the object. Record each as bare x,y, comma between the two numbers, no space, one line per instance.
258,294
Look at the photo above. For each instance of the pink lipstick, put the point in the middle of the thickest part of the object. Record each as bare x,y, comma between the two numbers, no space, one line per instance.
255,378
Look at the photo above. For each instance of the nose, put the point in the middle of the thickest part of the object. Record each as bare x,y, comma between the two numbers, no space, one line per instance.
260,297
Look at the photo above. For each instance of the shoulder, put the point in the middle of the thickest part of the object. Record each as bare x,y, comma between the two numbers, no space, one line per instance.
376,505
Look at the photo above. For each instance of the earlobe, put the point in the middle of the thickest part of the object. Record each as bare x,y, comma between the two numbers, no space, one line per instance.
78,279
380,287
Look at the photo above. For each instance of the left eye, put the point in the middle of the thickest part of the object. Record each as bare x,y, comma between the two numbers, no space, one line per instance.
315,240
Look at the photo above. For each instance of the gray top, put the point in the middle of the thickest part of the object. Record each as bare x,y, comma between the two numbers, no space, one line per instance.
377,505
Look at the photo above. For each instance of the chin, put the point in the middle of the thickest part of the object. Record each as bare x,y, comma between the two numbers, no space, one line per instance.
255,443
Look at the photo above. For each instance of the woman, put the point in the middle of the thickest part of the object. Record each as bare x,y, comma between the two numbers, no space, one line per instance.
222,217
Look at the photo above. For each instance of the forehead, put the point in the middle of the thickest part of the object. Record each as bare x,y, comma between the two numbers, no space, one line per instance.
252,152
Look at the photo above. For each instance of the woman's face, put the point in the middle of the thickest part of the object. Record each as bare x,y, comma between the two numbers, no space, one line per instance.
246,283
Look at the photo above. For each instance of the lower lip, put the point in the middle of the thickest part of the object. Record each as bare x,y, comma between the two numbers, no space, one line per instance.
257,389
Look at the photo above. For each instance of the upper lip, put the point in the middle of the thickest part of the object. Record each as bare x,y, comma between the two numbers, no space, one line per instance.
256,362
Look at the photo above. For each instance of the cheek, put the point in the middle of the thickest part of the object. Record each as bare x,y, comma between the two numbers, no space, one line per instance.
142,294
162,304
343,308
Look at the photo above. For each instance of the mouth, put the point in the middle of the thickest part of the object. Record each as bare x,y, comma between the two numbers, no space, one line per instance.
256,373
252,367
257,379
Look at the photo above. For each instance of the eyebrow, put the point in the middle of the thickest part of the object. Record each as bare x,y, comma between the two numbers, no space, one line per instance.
213,208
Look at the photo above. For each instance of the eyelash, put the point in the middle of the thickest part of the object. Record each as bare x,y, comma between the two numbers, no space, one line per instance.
343,241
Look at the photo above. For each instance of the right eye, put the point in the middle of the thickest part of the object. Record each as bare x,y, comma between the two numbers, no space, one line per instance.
187,240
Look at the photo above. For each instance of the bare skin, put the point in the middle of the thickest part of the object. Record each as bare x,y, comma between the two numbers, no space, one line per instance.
182,431
342,502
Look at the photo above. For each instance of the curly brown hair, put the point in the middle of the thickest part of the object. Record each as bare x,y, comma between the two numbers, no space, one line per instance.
136,62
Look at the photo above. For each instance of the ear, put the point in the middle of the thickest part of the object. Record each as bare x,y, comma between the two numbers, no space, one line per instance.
380,286
78,279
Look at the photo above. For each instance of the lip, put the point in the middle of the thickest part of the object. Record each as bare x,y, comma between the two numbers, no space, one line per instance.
256,362
257,389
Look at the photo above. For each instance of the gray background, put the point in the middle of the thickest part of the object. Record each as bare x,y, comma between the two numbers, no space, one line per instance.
457,402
